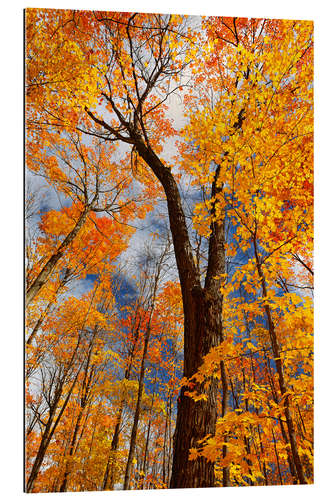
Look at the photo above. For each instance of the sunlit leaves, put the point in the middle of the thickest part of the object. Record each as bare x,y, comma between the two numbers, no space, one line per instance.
99,86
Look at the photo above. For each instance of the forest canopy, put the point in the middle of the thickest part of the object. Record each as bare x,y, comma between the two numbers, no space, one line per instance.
169,241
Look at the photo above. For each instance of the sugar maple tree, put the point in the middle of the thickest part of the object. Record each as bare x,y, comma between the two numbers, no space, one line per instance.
268,127
99,97
100,209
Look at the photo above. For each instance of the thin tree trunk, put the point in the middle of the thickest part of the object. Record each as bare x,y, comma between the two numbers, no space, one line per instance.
63,486
277,458
170,457
225,470
165,436
283,431
113,449
46,310
47,435
83,403
48,432
145,458
44,274
142,371
137,412
108,480
257,412
279,369
261,462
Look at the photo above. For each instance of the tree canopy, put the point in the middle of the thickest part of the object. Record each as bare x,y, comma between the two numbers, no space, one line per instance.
169,240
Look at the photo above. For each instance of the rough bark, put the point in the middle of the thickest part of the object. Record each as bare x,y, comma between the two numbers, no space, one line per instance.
202,331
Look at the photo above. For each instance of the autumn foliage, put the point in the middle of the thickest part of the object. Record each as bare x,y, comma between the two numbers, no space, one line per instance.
186,361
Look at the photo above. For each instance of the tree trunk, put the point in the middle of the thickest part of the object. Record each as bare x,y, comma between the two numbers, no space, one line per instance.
202,315
279,369
165,477
63,486
137,412
142,369
108,480
44,274
224,380
84,400
40,453
202,328
48,432
277,458
145,458
83,404
47,309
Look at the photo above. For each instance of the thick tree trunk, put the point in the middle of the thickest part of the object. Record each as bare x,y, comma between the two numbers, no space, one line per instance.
195,420
202,329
